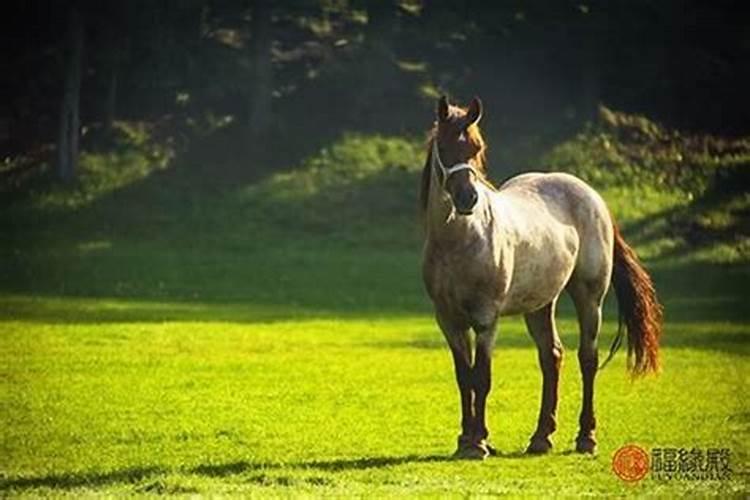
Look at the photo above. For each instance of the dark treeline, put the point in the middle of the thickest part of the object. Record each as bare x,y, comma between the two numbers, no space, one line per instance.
314,67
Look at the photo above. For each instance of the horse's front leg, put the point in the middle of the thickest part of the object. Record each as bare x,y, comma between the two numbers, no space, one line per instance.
462,365
457,336
482,378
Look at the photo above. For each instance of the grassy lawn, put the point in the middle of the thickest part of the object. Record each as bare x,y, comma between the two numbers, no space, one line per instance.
274,338
356,405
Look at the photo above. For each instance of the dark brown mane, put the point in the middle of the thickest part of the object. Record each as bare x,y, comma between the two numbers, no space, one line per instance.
473,134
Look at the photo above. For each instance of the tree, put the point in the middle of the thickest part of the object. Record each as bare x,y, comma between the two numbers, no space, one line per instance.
70,121
113,49
378,76
260,113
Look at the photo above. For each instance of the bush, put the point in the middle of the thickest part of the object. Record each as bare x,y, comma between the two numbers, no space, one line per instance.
623,150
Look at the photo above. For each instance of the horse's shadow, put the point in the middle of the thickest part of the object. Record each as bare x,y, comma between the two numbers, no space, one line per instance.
341,465
71,480
74,480
336,465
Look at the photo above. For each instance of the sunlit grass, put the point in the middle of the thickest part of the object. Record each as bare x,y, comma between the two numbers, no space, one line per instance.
337,406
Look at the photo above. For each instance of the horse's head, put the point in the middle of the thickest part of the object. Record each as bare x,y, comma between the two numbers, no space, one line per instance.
458,152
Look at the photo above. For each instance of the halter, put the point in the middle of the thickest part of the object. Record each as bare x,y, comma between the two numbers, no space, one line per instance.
447,172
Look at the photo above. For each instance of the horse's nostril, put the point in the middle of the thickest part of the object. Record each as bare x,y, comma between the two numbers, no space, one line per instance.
473,198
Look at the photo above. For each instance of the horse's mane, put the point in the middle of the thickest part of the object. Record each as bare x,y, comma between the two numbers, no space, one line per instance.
473,135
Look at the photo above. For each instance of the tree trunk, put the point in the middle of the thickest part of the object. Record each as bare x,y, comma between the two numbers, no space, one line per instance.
110,104
379,72
70,121
260,113
592,46
381,23
590,89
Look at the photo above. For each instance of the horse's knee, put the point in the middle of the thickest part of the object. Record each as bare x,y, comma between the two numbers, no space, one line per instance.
557,354
551,358
588,359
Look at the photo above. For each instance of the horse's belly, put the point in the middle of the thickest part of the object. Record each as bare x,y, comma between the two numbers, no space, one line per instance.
524,301
538,277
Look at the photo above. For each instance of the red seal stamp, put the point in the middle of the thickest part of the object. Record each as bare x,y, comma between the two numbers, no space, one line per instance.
630,463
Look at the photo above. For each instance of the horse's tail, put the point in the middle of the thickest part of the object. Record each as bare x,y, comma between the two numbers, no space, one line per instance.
639,310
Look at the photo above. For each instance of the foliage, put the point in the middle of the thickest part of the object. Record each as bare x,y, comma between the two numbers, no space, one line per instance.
540,65
680,193
630,150
360,181
133,158
181,235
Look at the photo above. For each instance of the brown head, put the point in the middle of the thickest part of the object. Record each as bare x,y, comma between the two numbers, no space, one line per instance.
456,153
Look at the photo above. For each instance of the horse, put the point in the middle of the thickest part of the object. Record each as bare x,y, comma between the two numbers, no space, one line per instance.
492,252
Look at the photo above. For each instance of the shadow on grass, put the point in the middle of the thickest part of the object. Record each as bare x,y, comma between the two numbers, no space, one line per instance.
690,293
226,470
79,480
135,475
231,468
370,462
694,225
336,465
718,339
704,309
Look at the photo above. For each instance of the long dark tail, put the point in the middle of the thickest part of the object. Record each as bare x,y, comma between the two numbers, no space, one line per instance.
639,310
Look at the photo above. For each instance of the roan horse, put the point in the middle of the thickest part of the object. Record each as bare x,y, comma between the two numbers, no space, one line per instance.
513,250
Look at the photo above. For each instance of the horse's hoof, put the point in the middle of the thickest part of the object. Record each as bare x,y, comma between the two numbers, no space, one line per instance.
476,452
491,450
539,445
585,444
472,451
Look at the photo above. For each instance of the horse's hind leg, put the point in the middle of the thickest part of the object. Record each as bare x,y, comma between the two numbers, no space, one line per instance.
541,325
588,298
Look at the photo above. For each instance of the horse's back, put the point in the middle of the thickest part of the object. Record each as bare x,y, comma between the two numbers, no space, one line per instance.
572,202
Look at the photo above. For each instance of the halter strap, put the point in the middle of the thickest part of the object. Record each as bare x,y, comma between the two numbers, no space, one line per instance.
457,168
447,172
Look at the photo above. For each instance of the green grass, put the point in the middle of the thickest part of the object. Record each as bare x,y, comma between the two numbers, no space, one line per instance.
162,332
356,406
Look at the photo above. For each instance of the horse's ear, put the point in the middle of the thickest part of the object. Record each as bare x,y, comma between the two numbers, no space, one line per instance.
442,108
474,114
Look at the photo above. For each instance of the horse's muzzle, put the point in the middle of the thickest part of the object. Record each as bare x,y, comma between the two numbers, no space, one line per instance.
465,200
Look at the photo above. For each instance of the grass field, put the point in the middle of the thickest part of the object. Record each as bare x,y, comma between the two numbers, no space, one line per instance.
130,404
264,340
